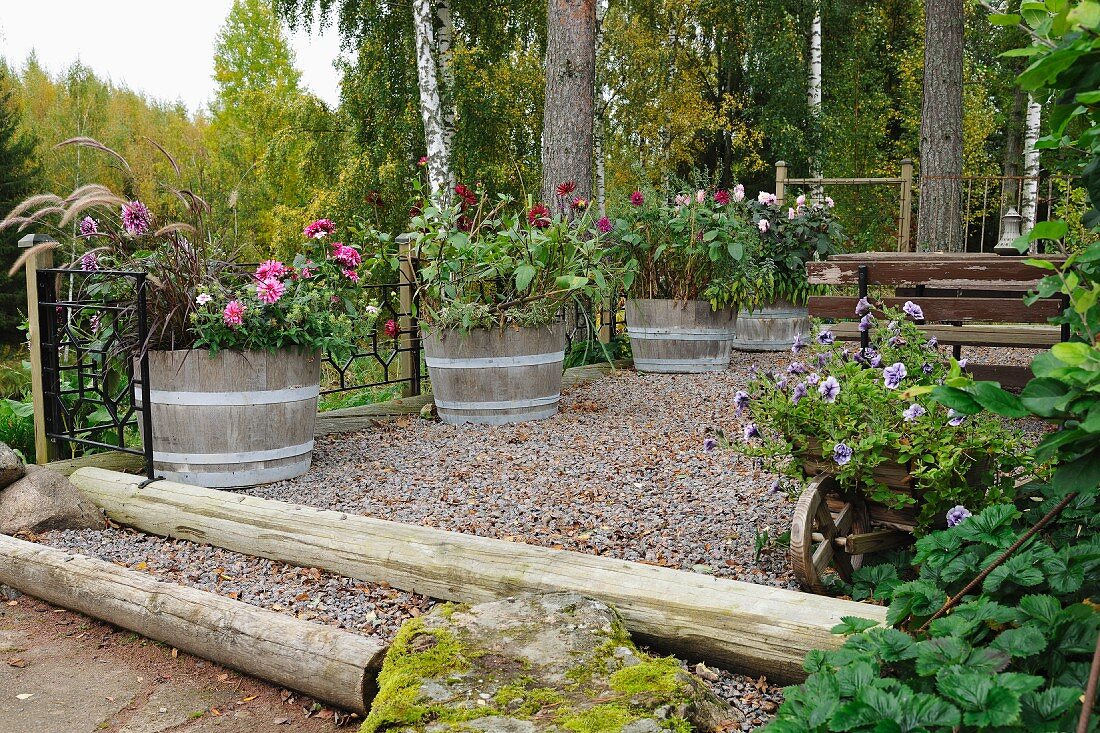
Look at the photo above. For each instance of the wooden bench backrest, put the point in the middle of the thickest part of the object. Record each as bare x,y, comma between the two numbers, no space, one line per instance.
1001,282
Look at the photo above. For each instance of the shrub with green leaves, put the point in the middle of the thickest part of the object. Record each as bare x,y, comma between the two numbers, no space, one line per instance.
1013,656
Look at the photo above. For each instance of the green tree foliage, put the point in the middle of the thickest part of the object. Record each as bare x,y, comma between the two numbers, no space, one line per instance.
260,162
18,173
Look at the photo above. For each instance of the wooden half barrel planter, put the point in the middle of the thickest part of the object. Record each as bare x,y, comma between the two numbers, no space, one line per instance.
771,327
496,376
679,337
239,418
833,526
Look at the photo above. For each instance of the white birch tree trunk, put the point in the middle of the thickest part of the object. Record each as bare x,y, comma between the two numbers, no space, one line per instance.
445,47
601,111
431,107
1030,195
813,96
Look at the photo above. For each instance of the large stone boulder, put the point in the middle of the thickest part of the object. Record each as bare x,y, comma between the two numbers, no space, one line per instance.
11,468
558,662
44,500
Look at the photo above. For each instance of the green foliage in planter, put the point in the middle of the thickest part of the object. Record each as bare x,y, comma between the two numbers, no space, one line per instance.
1014,656
680,249
484,263
778,242
857,411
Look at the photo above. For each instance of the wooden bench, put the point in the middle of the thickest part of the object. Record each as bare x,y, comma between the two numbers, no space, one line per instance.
967,300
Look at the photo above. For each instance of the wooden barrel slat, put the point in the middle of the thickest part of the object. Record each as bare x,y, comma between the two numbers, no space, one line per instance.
496,376
771,327
241,418
679,337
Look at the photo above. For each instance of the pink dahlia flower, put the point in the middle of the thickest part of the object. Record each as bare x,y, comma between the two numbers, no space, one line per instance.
271,268
391,329
270,290
738,192
89,227
233,314
319,229
351,275
721,197
136,219
603,224
345,254
637,198
539,216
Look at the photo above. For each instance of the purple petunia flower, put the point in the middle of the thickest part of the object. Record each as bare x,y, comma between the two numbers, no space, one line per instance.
957,515
892,326
876,359
799,344
866,322
913,310
826,337
932,343
798,393
776,486
89,227
829,389
740,399
136,218
893,374
796,367
813,378
710,444
841,454
913,412
955,419
927,368
823,359
782,383
751,431
863,307
963,363
89,262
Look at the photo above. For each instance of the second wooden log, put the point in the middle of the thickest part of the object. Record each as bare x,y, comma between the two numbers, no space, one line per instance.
330,664
755,629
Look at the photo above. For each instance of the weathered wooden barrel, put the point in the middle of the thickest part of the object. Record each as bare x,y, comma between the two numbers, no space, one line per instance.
240,418
771,327
679,337
496,376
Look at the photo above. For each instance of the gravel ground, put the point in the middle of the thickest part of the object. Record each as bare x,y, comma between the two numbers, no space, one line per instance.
620,472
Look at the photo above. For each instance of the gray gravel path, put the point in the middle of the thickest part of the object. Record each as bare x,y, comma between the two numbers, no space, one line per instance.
620,472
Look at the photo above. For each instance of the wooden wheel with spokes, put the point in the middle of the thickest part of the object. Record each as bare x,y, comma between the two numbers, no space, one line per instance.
819,536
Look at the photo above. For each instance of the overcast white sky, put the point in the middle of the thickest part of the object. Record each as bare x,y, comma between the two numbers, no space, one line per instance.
163,48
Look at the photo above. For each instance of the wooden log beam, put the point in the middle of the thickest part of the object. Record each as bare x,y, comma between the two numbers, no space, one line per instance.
330,664
751,628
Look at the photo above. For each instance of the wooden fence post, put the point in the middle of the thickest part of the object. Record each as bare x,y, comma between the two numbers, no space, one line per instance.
408,363
44,450
905,219
780,179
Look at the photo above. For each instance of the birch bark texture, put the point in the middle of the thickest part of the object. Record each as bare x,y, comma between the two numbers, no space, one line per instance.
813,95
939,222
570,66
1029,197
431,105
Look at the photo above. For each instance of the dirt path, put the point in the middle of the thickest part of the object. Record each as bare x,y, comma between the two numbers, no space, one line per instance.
62,672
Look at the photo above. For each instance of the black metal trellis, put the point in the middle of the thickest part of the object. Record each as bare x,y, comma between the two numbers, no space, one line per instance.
384,348
88,379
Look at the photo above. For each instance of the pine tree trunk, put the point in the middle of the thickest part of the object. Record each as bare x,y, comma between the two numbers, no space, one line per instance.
439,154
1029,198
570,86
939,223
813,96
